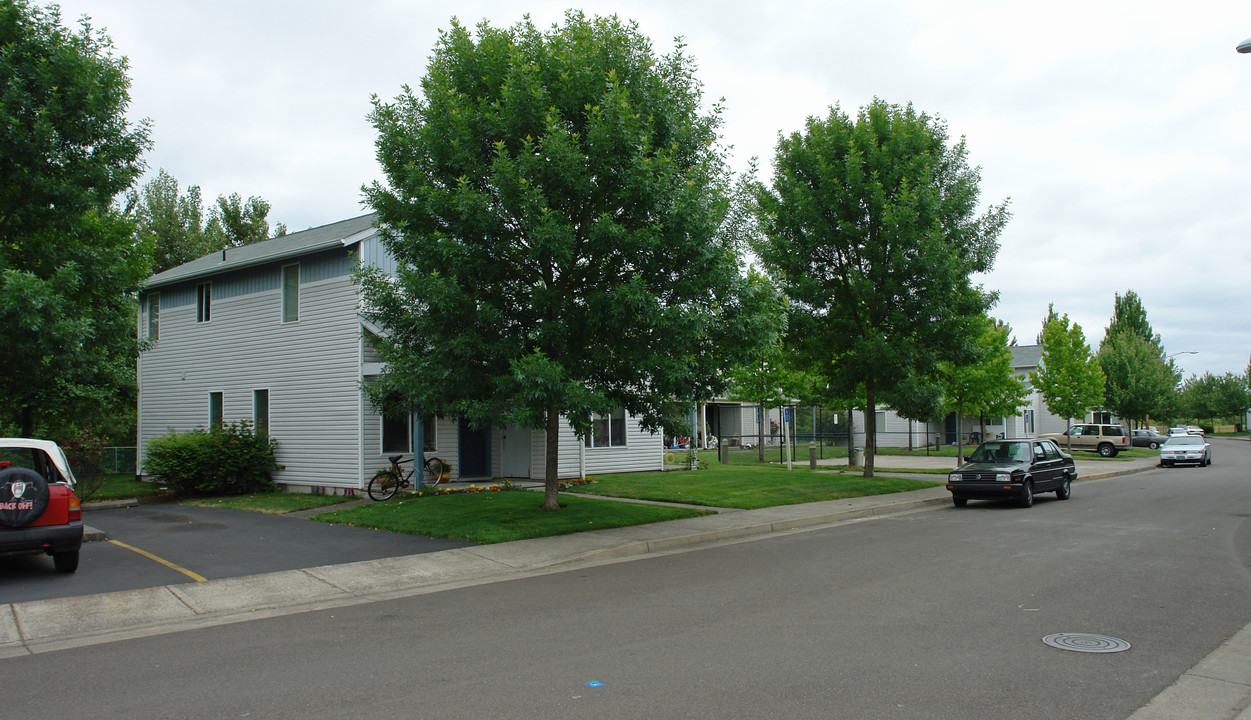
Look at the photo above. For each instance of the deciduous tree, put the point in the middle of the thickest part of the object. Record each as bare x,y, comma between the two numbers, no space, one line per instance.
986,385
173,228
1068,376
556,201
872,230
68,265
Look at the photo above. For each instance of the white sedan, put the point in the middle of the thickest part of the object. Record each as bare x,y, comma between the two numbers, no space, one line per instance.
1185,449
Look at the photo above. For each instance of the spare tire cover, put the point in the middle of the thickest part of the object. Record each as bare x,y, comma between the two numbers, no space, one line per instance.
23,497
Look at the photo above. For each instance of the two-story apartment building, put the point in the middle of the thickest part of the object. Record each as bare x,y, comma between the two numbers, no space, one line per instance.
271,333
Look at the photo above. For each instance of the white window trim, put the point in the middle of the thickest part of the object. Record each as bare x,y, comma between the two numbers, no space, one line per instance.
151,317
589,442
204,302
282,291
269,420
222,421
382,439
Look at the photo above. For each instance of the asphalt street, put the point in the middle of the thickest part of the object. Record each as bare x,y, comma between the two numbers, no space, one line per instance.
929,614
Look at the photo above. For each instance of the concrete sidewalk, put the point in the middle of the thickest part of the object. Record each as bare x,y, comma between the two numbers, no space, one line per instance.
1223,680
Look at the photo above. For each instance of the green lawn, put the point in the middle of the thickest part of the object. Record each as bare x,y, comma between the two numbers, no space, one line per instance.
494,517
745,486
115,486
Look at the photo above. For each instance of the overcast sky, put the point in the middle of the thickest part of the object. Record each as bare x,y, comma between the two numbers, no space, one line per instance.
1120,130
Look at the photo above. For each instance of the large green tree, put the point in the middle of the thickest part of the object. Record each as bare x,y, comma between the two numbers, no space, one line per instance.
1140,382
68,264
1215,397
986,384
871,228
172,225
557,202
1130,315
1068,375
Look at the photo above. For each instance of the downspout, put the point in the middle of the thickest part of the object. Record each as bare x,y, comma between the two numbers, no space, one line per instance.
360,412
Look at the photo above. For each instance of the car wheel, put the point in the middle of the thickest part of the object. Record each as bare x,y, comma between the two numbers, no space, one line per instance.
66,562
1065,489
25,492
959,501
1027,494
1155,446
1107,451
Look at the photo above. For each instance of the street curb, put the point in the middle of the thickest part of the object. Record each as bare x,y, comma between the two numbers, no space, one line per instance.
48,625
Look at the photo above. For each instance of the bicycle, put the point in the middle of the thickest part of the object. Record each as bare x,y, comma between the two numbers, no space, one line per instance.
389,481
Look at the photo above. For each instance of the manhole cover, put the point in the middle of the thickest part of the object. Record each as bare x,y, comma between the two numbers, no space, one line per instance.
1086,642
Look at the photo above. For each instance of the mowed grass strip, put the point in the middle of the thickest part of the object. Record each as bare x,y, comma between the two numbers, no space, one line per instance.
745,487
118,486
495,517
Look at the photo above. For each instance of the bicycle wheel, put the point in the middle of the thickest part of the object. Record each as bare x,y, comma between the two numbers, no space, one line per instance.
383,486
437,469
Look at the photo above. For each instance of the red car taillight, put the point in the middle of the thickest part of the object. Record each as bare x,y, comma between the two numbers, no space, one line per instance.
75,507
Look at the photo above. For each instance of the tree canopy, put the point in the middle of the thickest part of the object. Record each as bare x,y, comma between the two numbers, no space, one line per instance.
557,203
1212,397
172,226
1068,376
1140,379
986,385
68,265
871,229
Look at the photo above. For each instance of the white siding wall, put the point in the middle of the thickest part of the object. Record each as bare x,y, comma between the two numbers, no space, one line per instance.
310,367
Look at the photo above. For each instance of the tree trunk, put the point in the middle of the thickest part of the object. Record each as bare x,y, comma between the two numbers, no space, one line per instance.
551,483
959,442
870,428
760,430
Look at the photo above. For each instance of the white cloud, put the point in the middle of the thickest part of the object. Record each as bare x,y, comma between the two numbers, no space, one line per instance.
1117,127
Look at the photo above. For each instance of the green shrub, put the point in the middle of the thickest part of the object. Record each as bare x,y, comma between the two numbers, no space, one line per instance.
227,460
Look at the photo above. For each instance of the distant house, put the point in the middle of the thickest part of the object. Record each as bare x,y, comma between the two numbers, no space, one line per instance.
739,421
270,333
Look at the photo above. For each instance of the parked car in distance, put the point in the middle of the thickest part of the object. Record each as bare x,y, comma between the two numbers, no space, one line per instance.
1107,440
1148,438
1194,430
39,512
1015,469
1186,449
1180,430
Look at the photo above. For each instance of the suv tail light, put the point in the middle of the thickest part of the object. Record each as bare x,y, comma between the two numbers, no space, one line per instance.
75,507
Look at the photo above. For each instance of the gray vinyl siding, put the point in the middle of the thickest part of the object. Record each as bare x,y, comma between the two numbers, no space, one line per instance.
310,367
642,451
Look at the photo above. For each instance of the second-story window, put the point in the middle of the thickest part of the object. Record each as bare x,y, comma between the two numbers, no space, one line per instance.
154,315
203,301
290,293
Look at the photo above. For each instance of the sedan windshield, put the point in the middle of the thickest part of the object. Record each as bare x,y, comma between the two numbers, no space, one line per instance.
1184,440
993,452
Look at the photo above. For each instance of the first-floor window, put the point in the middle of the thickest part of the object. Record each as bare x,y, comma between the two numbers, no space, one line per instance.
427,435
397,433
260,410
608,430
216,416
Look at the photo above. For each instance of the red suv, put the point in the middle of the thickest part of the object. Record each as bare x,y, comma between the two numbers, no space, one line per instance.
39,512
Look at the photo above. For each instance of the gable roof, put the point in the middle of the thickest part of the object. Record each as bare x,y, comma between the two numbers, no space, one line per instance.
1026,357
338,234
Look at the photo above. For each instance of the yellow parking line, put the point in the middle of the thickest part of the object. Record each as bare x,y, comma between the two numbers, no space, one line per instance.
166,563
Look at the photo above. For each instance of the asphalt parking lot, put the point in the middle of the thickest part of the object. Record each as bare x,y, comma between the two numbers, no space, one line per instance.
165,544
